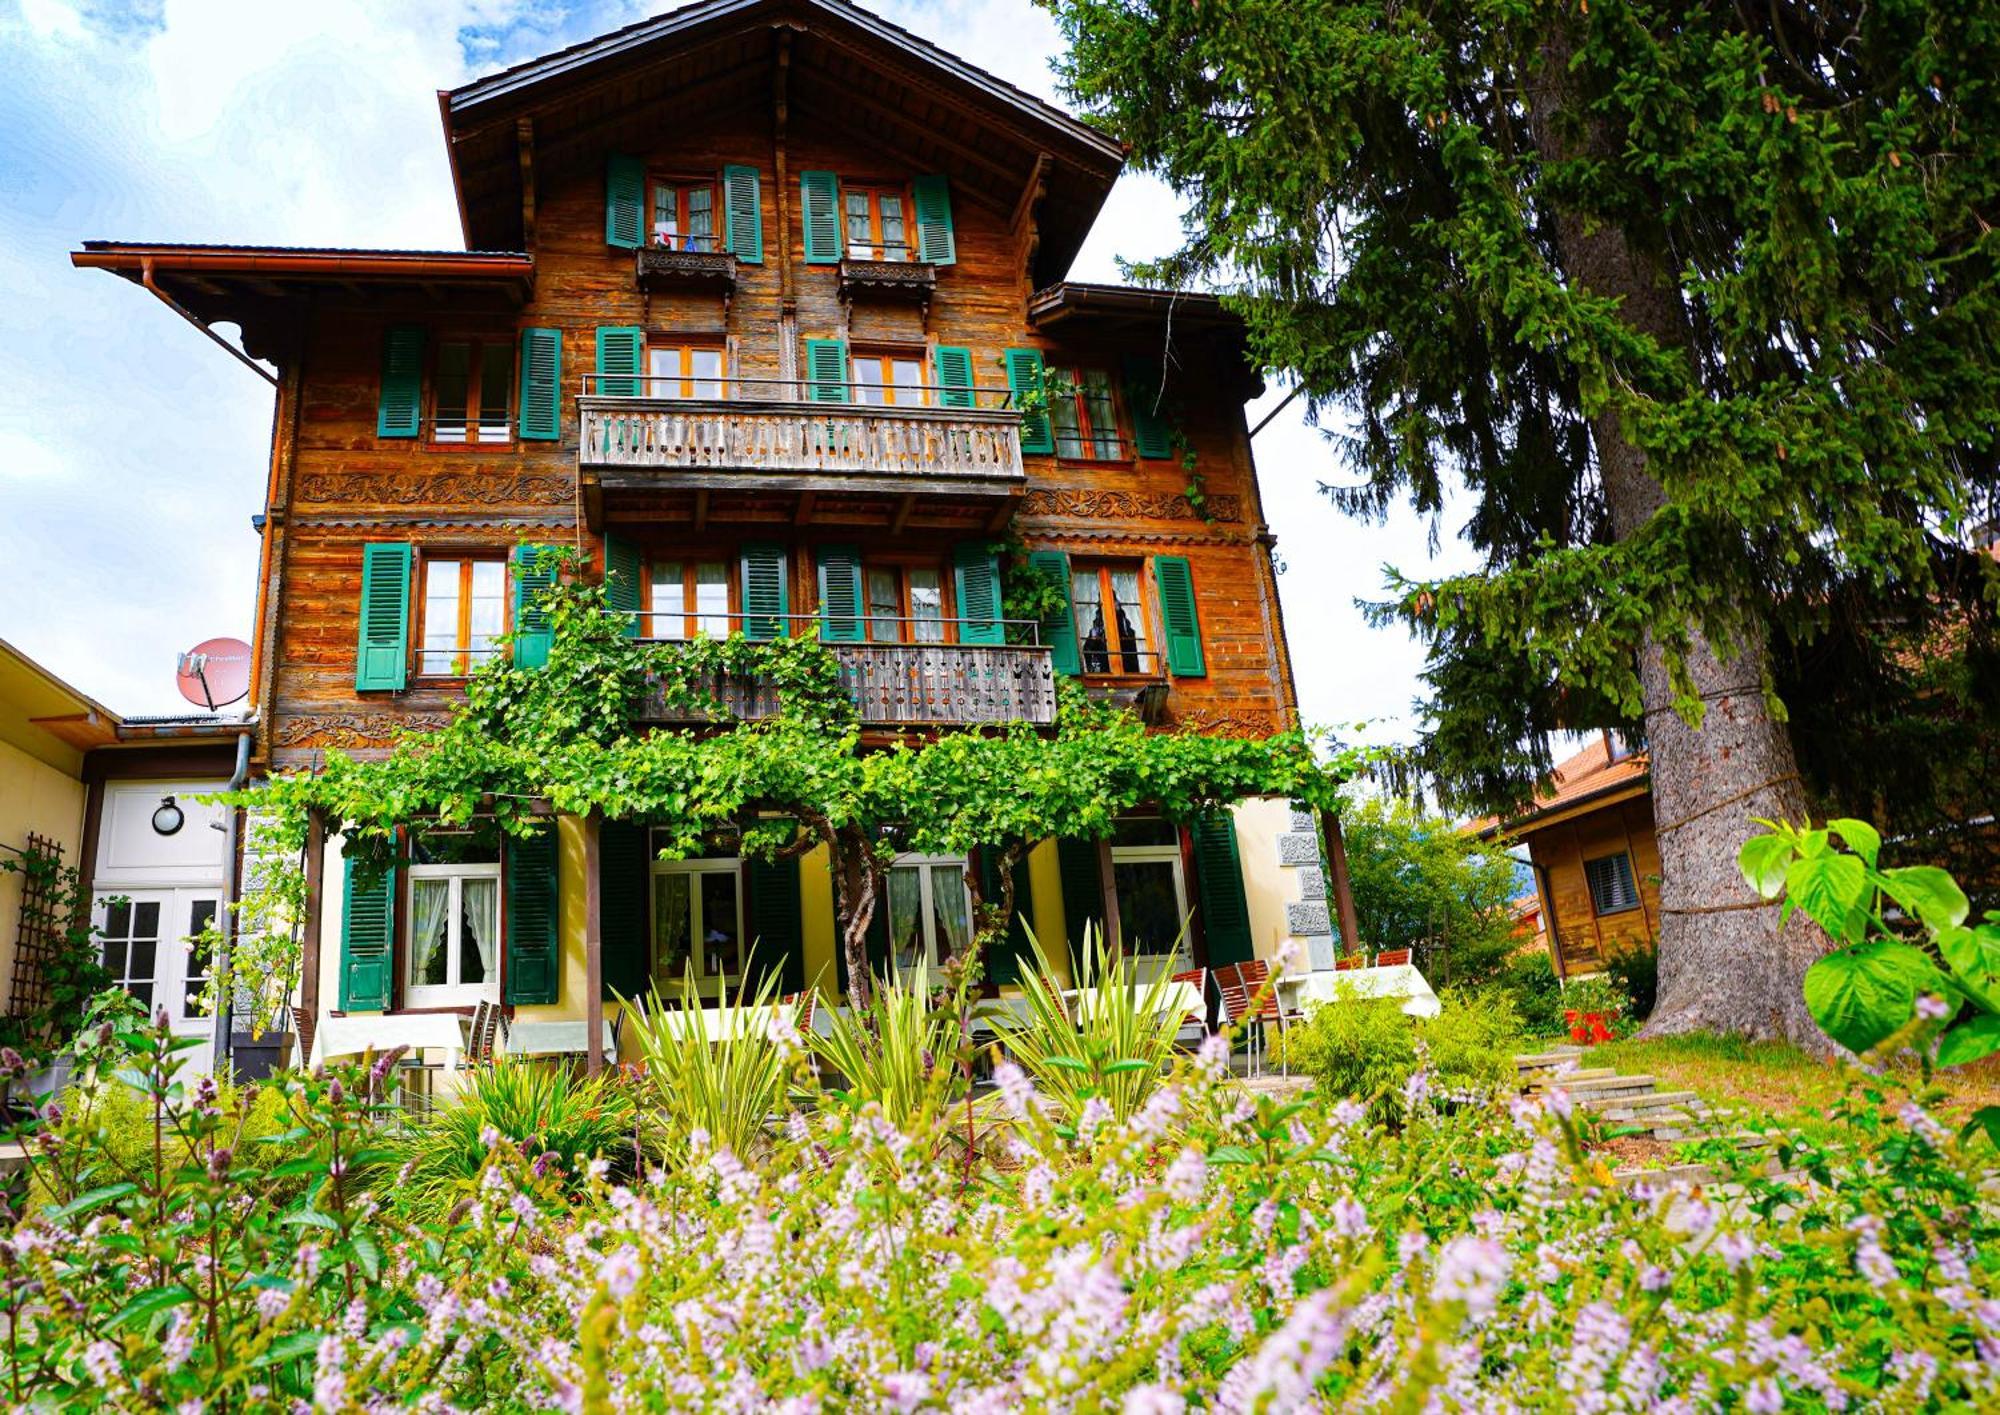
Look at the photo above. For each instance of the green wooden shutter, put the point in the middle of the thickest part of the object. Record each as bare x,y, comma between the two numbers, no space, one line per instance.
624,201
826,370
976,578
400,404
772,890
953,365
819,207
1024,375
1225,911
1003,961
1059,629
541,384
621,359
532,635
743,213
840,605
936,242
1151,431
534,949
367,939
1082,891
1177,611
622,574
382,648
767,598
624,878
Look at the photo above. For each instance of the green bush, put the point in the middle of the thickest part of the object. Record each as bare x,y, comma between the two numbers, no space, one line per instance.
1363,1048
1470,1044
1530,985
1636,971
114,1121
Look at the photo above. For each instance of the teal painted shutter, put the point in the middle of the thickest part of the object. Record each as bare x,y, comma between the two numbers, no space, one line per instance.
936,242
1059,629
1177,611
367,937
541,384
622,574
1142,391
767,598
839,594
743,214
826,370
621,358
624,877
1082,891
624,201
1003,961
772,890
819,208
1024,375
1225,912
953,366
532,635
976,578
382,648
399,406
534,953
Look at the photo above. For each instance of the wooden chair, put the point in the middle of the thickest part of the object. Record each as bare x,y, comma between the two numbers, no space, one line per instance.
483,1037
807,1003
1392,958
1348,962
1256,976
304,1026
1197,978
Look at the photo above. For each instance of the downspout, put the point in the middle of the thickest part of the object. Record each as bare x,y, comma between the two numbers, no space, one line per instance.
225,923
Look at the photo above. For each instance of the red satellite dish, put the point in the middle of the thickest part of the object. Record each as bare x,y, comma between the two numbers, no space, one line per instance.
214,673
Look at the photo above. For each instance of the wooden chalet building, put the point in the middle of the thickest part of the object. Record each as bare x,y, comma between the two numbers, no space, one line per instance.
751,294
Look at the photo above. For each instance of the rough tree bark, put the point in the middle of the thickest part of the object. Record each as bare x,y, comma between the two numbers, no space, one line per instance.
1725,963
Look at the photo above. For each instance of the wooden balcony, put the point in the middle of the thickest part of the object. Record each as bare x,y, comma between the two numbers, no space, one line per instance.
910,685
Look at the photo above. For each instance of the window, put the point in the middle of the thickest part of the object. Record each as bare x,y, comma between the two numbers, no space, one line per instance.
131,932
470,386
1148,872
930,911
686,370
877,223
454,931
201,914
698,924
688,597
1084,413
683,214
1612,889
883,379
905,603
464,613
1111,618
149,947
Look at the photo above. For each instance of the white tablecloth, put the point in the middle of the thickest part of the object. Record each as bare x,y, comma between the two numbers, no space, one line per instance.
556,1039
1324,985
350,1036
1176,999
727,1023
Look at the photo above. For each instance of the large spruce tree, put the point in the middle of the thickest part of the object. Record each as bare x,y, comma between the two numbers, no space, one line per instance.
1697,300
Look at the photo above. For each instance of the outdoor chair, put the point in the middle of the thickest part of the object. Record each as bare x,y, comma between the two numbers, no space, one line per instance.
1197,978
1392,958
807,1003
1256,977
483,1036
1236,1010
1349,962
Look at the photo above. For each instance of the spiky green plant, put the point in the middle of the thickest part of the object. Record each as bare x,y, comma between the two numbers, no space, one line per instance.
899,1051
727,1089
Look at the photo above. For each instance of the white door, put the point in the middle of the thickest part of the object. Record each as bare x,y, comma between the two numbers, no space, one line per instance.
146,937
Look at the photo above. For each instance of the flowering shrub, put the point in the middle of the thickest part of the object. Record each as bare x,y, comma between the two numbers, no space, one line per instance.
1214,1249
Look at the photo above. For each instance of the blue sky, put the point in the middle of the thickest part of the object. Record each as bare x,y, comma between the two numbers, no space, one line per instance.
133,451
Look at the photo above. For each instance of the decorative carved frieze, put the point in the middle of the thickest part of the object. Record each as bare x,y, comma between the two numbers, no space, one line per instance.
1306,918
1298,850
1096,504
436,488
1243,722
660,268
354,729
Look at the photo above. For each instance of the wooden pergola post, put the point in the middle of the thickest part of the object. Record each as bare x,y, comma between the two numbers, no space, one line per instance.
1339,882
305,1022
1107,879
593,947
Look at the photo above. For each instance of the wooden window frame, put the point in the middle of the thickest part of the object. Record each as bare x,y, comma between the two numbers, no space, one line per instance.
689,559
874,192
718,236
466,556
1086,432
880,355
475,373
694,867
1631,873
686,345
1150,649
901,566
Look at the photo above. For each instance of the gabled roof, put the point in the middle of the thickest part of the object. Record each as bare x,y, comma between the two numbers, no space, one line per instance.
1596,774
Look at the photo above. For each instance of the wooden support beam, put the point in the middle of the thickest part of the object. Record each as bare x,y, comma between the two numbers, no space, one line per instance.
803,515
315,904
701,509
524,142
1339,881
865,118
593,945
905,504
1107,880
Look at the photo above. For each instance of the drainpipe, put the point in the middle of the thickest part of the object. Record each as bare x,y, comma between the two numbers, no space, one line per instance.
225,921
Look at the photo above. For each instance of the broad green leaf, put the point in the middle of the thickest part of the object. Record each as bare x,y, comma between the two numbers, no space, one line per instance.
311,1218
1130,1064
369,1254
1763,860
94,1199
1862,994
1969,1041
1862,838
1931,894
1974,955
1231,1154
156,1299
1829,888
1984,1120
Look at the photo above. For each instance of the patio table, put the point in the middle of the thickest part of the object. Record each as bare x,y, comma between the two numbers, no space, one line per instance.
1175,999
728,1023
557,1039
1399,981
350,1036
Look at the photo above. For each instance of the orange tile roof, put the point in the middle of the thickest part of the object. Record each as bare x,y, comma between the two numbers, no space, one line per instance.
1591,772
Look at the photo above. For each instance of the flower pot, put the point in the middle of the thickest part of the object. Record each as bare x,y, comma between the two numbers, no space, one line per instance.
258,1058
48,1080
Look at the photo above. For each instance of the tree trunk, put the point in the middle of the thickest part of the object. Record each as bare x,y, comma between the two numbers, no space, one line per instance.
1725,964
856,887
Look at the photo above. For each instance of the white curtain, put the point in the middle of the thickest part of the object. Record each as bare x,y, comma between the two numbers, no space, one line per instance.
432,901
482,916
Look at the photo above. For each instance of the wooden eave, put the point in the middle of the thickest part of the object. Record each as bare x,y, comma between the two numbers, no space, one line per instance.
1521,827
1143,321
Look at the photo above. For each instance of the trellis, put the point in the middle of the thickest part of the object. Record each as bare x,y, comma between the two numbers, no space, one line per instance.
41,927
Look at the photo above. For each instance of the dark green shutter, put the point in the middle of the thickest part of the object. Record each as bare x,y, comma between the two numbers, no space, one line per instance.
621,359
532,635
1082,891
624,201
743,213
772,887
1059,629
1178,613
1225,912
623,570
1024,375
624,878
976,578
382,647
541,384
840,594
819,208
1150,430
1003,961
367,938
826,370
953,365
399,406
936,242
767,597
534,950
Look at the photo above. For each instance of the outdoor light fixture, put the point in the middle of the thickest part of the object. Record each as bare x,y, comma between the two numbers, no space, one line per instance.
167,817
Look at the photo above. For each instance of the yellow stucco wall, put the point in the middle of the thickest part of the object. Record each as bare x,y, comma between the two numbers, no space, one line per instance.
37,797
1266,886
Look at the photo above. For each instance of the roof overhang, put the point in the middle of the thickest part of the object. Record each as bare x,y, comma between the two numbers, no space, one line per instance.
1613,793
1138,317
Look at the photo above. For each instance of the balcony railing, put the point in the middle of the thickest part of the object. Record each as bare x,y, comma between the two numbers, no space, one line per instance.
847,430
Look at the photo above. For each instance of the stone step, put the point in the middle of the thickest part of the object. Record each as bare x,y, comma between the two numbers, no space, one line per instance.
1643,1100
1612,1085
1545,1060
1678,1176
1567,1079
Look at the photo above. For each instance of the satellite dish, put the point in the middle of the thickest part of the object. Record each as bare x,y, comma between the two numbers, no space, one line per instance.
214,673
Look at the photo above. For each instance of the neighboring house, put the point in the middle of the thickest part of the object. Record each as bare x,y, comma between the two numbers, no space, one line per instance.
1596,859
753,294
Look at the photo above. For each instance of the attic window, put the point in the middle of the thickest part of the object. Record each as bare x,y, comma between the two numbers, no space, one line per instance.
1612,889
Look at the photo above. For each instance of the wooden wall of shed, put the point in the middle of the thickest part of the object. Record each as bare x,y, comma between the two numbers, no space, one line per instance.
1583,938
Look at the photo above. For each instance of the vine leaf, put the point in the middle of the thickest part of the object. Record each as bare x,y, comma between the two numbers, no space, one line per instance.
1862,995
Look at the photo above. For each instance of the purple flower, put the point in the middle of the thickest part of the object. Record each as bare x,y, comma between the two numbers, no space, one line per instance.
620,1273
1932,1008
1472,1270
1017,1092
1763,1398
100,1359
1154,1399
